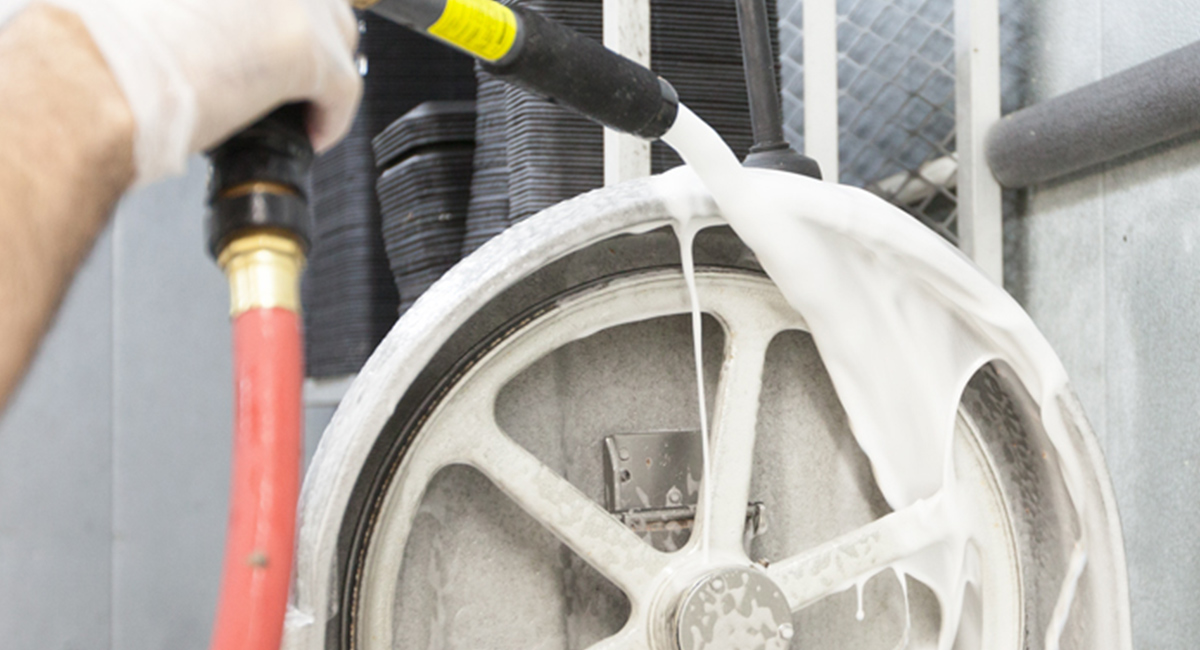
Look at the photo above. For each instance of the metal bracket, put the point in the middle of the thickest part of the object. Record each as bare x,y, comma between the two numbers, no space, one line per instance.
652,484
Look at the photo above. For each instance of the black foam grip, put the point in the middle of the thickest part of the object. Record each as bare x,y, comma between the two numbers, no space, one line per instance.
573,70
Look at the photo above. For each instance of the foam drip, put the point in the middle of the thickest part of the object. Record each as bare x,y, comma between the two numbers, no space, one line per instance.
903,579
685,232
858,588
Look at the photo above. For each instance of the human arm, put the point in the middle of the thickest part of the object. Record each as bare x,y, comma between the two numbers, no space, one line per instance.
66,155
109,93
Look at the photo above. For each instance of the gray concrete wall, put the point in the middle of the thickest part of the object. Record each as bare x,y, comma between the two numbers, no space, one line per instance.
1106,263
114,454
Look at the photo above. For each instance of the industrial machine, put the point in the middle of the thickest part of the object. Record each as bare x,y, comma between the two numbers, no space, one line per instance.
516,464
475,440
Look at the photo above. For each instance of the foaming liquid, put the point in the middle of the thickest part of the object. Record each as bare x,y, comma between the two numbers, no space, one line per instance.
686,234
902,321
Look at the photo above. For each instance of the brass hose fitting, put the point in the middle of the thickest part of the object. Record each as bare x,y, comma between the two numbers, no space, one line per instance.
264,270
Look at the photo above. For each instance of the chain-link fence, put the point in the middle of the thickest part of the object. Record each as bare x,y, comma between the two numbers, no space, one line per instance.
896,96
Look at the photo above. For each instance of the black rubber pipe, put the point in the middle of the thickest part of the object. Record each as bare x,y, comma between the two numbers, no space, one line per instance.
770,149
1146,105
524,48
766,115
579,73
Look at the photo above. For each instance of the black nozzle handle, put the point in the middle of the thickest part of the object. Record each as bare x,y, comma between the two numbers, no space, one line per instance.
259,179
529,50
553,60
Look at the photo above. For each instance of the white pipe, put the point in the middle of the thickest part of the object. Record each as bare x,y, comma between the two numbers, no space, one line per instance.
821,85
977,100
626,32
907,188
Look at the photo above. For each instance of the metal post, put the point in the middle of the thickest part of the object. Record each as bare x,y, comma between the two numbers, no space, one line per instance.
626,32
770,150
977,100
821,85
766,114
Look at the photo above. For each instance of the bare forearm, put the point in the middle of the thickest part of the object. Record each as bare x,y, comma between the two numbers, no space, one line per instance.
66,137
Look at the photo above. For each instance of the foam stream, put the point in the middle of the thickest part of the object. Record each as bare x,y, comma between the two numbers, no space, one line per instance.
901,320
686,233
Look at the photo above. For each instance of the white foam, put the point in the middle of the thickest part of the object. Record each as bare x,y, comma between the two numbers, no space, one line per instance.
858,588
686,233
902,321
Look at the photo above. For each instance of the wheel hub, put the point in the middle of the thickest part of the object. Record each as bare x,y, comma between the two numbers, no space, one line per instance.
734,609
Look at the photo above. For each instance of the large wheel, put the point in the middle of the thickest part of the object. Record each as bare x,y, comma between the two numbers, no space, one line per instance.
457,498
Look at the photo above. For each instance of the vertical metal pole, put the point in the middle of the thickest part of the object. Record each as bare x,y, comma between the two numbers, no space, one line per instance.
977,100
766,114
626,32
821,85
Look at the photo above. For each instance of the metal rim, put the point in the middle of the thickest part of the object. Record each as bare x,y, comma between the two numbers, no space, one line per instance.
344,456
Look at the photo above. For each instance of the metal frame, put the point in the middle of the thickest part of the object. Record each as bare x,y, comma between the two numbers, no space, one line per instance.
626,32
821,86
977,102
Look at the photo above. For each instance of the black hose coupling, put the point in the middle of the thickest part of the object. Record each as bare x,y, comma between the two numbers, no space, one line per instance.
258,181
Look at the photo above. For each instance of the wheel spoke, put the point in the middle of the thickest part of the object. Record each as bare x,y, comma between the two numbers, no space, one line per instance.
735,415
589,530
838,564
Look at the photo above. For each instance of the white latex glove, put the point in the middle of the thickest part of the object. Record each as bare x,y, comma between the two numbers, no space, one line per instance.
196,71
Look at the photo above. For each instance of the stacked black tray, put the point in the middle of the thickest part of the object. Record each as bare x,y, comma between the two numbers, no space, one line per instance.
487,214
350,298
553,154
348,294
695,44
428,155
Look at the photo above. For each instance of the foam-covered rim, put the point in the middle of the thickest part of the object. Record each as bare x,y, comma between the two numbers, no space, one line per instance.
552,234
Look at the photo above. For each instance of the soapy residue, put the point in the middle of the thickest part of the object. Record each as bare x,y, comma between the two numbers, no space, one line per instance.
901,320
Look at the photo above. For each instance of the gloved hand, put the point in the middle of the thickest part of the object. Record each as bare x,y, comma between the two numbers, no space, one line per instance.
195,71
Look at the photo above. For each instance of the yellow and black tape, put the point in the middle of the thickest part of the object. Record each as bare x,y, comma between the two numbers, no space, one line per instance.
484,28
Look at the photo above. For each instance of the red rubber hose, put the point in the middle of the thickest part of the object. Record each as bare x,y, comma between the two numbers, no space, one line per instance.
268,371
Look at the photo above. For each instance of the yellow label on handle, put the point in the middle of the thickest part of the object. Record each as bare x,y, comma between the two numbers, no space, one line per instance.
484,28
